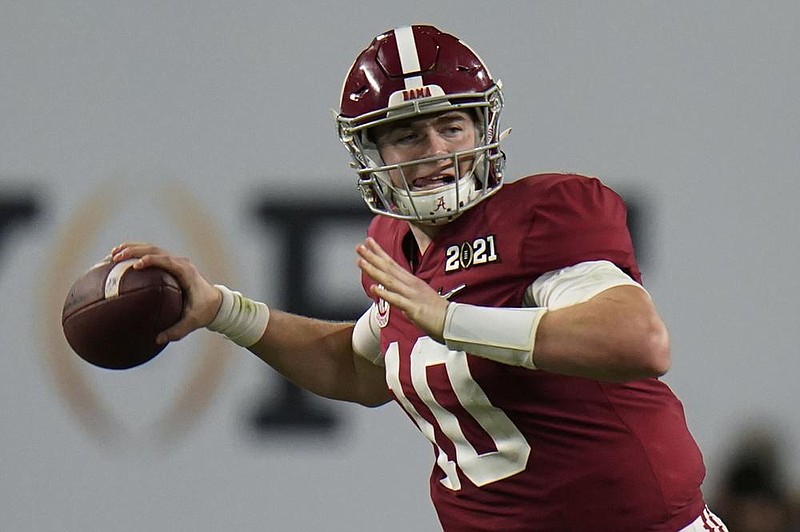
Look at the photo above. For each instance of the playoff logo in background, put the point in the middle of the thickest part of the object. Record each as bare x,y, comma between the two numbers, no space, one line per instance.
73,253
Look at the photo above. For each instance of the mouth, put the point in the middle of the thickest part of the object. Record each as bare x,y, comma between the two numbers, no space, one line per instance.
432,181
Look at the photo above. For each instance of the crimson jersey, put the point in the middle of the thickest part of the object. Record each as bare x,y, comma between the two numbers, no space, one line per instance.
518,449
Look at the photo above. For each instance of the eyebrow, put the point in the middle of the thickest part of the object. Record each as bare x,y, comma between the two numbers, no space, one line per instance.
448,116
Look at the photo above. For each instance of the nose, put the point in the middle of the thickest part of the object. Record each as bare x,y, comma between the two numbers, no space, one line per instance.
435,145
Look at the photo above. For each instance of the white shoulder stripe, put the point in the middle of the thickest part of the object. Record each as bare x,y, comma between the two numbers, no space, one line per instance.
409,60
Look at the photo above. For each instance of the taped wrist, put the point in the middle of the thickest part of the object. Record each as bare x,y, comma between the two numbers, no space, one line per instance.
239,318
505,335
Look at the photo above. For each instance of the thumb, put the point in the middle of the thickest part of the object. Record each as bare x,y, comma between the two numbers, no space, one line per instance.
177,332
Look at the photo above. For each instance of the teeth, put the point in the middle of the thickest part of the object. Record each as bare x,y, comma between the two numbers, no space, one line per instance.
431,181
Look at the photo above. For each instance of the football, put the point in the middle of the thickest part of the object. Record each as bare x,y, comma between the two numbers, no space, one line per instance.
113,313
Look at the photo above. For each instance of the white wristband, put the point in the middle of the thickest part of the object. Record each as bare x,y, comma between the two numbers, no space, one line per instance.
239,318
505,335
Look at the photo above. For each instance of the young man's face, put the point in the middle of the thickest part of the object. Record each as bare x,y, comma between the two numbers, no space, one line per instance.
429,136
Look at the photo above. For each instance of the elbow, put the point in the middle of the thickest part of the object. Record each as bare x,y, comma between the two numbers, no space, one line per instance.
646,351
654,350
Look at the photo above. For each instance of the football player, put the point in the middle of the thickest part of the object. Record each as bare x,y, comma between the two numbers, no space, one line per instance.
509,320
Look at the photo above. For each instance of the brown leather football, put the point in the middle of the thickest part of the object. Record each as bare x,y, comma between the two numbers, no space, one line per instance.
113,313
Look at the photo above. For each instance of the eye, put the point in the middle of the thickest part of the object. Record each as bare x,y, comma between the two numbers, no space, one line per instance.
453,130
404,137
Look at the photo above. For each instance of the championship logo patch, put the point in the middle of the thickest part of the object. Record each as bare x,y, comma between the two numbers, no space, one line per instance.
477,252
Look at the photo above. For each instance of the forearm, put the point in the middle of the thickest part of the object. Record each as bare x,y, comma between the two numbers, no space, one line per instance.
317,355
314,354
615,336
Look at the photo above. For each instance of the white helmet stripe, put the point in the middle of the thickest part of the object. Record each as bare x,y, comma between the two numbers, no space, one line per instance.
409,60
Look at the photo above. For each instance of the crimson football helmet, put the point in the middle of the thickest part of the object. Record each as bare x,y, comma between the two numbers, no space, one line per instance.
410,72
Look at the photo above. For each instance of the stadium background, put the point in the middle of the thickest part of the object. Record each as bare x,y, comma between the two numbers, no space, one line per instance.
205,126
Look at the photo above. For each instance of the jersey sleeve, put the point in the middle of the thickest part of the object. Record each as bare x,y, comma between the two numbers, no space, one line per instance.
576,284
578,219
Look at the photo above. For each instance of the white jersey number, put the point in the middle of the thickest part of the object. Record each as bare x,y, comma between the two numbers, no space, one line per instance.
513,450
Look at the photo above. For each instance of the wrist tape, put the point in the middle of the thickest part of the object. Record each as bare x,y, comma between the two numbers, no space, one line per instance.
505,335
239,318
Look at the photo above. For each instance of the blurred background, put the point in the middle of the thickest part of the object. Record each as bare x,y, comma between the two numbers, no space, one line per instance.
206,127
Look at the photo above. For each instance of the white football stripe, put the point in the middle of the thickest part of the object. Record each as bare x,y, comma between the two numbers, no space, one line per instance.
409,60
115,276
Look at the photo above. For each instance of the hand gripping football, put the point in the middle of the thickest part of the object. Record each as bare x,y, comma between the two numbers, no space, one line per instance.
113,313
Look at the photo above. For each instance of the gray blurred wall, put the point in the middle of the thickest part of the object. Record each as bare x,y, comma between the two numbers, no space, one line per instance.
166,121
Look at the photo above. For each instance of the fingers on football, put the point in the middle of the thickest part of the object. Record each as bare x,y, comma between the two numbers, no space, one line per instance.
150,255
128,250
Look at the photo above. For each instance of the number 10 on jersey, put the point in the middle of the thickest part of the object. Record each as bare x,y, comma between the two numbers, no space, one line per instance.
512,450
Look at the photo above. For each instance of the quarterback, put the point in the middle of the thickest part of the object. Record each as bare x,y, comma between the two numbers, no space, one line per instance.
508,319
